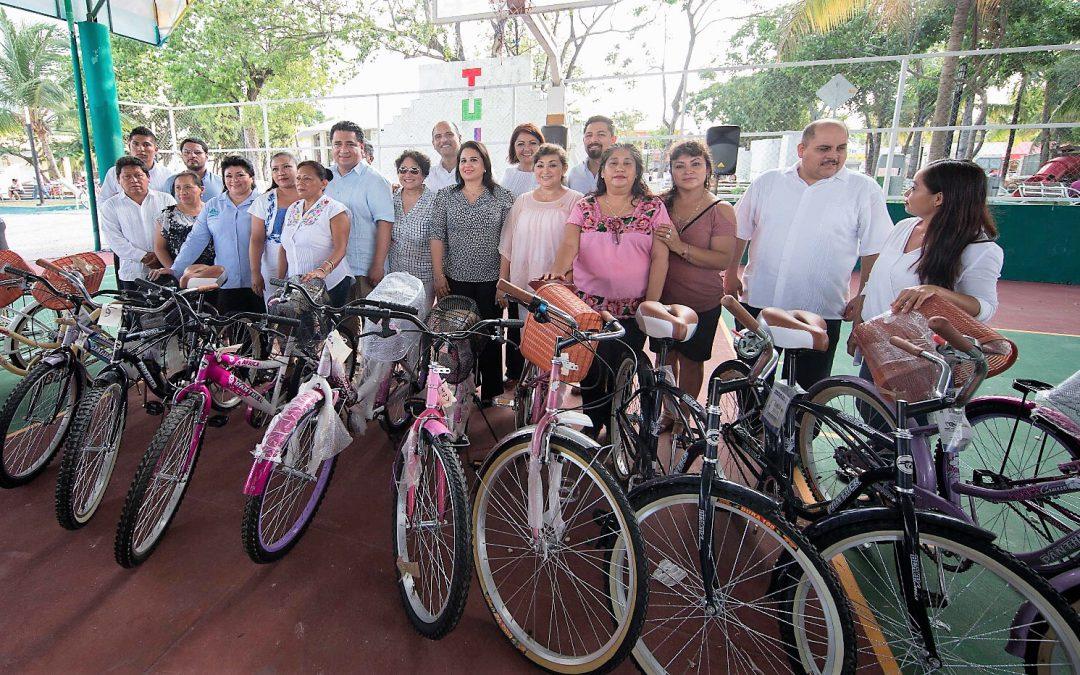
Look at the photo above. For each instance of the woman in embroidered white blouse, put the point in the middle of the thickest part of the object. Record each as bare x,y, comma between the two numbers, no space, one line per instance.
316,234
946,250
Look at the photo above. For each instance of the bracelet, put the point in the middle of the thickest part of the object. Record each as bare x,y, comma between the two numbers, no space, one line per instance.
686,253
327,262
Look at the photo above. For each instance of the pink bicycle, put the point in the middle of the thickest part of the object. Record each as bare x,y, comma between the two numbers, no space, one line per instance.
166,468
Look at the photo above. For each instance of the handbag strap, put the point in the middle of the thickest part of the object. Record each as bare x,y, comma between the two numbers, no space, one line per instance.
698,216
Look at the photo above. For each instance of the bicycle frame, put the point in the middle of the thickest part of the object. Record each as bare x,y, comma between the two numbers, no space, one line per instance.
433,423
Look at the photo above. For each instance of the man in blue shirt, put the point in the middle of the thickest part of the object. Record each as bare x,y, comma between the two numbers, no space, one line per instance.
370,202
195,153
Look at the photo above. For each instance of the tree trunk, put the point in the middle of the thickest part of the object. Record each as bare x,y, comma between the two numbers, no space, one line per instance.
1012,132
947,80
979,137
873,152
41,134
1045,135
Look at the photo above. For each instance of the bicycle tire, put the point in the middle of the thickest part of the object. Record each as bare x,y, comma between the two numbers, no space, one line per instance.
762,561
601,647
90,452
130,550
238,332
36,322
854,543
396,416
25,451
411,562
632,379
826,476
1008,444
263,545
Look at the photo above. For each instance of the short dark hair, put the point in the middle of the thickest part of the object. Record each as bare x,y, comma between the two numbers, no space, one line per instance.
128,160
319,169
142,131
552,149
187,174
197,141
415,155
345,125
526,128
690,148
600,118
236,160
488,180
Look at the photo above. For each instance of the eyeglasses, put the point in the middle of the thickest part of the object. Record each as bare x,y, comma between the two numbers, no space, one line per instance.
402,170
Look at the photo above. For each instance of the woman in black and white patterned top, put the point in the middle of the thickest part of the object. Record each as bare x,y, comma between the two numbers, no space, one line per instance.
410,248
466,227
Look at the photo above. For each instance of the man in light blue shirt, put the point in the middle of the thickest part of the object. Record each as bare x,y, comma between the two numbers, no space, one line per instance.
599,136
370,202
195,153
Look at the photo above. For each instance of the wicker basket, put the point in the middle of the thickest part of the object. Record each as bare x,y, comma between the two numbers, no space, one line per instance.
89,265
11,286
538,339
900,375
452,314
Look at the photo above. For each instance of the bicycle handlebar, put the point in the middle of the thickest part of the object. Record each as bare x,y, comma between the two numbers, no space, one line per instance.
732,305
534,302
956,340
355,304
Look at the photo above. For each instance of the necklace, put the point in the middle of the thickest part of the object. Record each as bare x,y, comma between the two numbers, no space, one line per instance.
681,219
613,210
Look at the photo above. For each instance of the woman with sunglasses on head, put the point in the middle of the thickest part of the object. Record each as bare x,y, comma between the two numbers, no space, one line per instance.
410,250
316,234
267,220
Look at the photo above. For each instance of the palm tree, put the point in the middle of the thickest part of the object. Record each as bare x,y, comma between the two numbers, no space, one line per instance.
820,16
35,80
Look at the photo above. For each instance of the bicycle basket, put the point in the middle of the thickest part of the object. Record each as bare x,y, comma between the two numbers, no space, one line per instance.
11,286
900,375
292,304
538,339
89,265
401,289
451,314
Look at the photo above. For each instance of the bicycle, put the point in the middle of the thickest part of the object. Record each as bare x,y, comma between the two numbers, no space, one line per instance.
548,519
166,468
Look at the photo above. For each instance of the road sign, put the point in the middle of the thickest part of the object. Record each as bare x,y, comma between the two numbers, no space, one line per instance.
837,91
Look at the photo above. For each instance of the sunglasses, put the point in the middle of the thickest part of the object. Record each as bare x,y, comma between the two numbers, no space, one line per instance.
402,170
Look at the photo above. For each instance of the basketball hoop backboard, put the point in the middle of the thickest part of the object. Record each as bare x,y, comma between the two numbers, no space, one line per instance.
456,11
148,21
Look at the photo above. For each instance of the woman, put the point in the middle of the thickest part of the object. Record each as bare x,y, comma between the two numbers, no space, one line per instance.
466,225
701,239
524,142
316,234
174,223
410,249
609,252
267,219
947,249
225,222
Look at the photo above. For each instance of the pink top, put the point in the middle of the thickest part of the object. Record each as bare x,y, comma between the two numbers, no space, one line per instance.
611,270
698,288
531,235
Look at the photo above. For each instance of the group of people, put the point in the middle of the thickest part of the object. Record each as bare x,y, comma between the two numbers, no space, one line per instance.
597,224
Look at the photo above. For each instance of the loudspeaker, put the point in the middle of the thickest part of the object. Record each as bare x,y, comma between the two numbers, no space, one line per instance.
555,133
723,142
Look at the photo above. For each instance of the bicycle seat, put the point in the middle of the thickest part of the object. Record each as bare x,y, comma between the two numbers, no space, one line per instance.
676,322
797,329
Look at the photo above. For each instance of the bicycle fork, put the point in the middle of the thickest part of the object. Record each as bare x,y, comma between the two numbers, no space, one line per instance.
706,514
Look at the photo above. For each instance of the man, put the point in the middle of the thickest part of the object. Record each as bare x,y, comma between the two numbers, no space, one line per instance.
806,225
370,202
195,153
141,143
369,153
599,136
127,220
445,138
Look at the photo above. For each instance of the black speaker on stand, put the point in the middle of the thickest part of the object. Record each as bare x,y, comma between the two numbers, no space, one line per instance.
723,142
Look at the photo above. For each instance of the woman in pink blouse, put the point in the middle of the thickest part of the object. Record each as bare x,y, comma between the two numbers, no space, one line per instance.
610,252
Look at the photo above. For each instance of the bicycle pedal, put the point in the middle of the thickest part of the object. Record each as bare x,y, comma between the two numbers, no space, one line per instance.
217,421
154,408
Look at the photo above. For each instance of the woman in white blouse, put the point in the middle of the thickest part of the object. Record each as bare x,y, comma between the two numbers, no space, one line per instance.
946,250
316,234
267,220
524,142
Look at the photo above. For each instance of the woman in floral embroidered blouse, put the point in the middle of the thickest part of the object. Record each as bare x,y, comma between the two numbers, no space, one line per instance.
609,252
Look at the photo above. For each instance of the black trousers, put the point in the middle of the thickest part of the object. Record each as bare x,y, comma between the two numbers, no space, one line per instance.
811,367
490,370
231,300
515,362
599,383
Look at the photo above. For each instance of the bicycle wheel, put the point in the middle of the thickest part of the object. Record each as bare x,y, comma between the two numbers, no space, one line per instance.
831,456
989,611
432,539
275,520
396,416
777,608
34,420
35,322
1008,445
160,483
90,453
242,333
525,396
629,411
687,449
550,597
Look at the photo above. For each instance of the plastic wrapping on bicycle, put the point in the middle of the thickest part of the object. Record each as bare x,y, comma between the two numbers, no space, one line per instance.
255,317
359,307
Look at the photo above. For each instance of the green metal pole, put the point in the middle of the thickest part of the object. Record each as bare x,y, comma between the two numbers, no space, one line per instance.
84,133
101,93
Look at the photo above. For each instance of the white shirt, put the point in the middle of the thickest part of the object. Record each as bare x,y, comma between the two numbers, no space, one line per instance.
581,179
438,177
129,229
159,180
307,239
980,267
266,209
805,239
517,181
